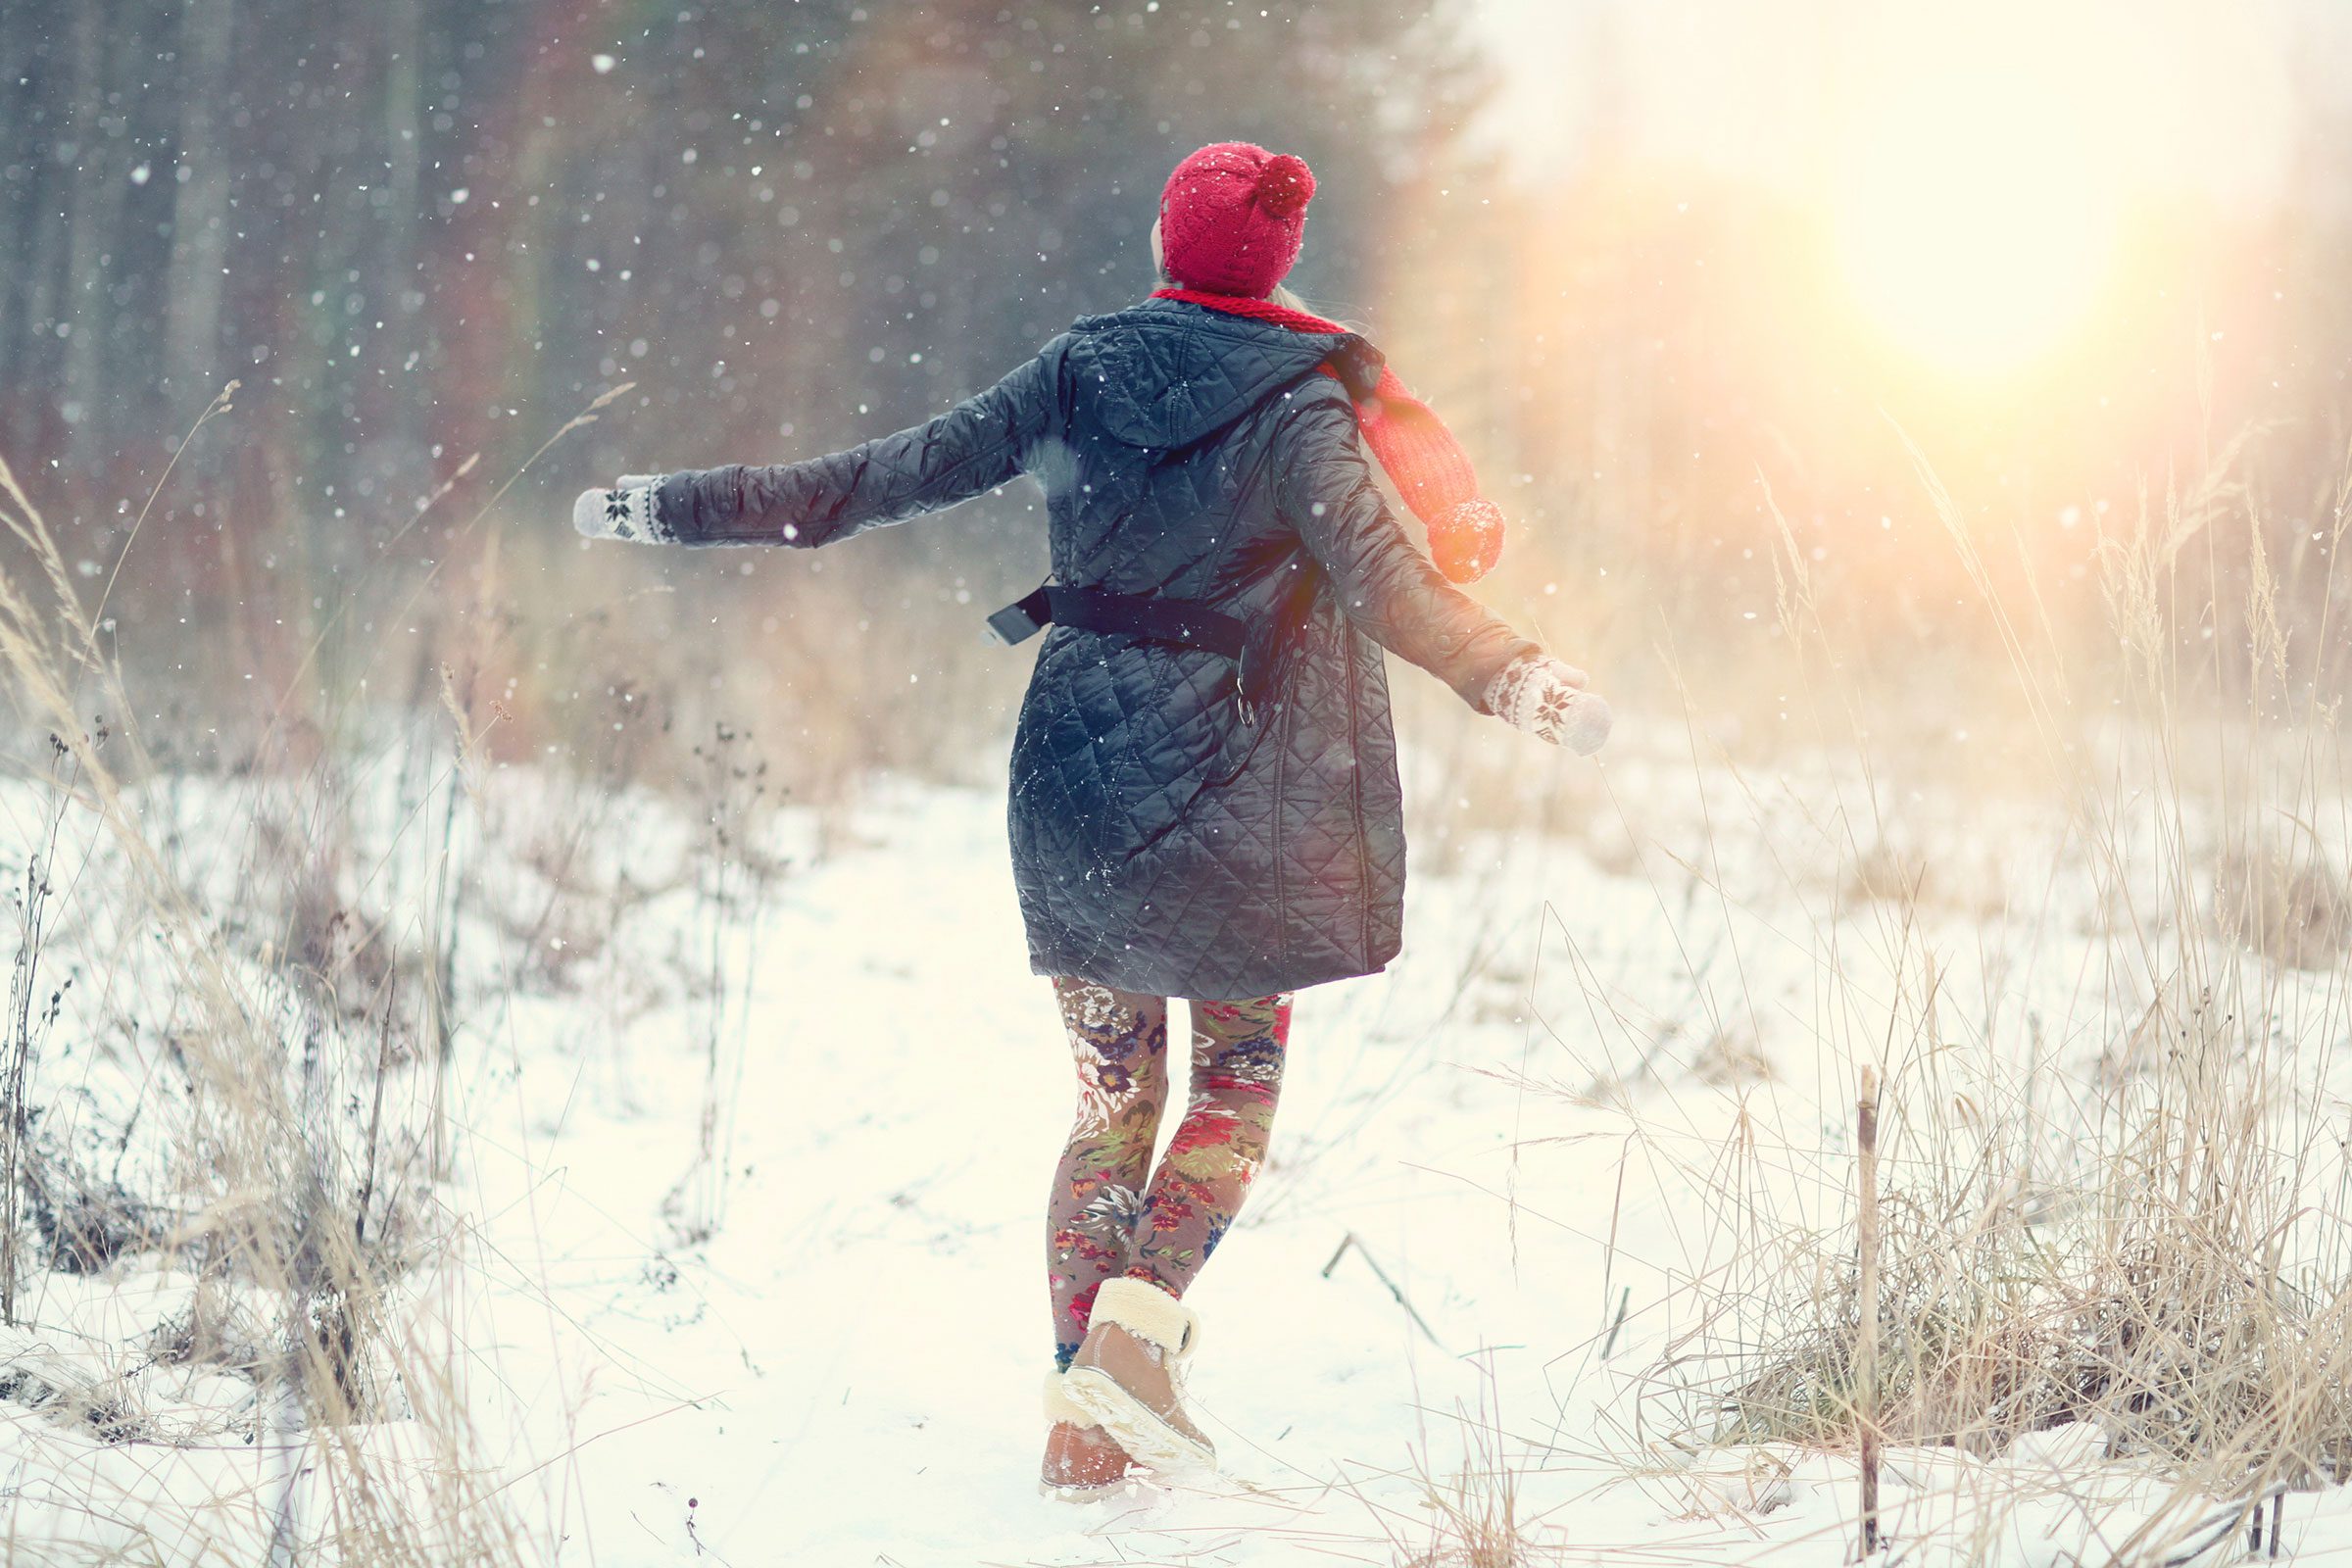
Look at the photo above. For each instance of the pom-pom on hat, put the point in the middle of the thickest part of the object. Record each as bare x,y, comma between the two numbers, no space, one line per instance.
1232,216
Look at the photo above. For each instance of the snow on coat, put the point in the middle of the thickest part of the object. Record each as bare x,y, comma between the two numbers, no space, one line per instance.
1162,841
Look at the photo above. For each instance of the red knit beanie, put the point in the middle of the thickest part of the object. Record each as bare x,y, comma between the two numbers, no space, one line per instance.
1232,216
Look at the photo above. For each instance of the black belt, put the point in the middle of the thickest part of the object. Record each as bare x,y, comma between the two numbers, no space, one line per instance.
1099,610
1161,620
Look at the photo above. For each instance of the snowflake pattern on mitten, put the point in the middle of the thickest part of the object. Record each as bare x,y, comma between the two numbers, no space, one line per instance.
628,511
1547,698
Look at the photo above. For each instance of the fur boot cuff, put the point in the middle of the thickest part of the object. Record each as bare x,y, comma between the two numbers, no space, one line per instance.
1149,1313
1061,1408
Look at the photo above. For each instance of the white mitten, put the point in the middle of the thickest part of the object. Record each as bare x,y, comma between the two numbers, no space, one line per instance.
1545,698
624,511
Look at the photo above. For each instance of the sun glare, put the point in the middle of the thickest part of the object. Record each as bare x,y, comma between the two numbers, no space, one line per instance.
1972,218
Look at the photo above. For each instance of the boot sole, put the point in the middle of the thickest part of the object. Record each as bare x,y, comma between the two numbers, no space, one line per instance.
1135,1426
1059,1492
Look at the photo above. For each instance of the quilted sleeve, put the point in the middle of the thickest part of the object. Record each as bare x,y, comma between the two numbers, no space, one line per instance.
1324,490
973,447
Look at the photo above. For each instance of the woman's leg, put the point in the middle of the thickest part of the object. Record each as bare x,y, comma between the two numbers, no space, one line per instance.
1236,1072
1124,1373
1120,1043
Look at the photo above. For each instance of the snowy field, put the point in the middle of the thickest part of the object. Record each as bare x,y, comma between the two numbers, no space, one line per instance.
519,1049
1523,1191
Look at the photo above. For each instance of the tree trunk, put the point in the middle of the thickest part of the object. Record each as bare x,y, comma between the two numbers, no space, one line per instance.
193,366
34,363
97,191
21,146
398,458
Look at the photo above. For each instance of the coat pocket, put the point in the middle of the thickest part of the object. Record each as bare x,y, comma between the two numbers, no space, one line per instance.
1271,653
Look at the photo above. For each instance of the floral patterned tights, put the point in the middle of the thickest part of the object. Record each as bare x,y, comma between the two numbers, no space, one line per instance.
1103,1217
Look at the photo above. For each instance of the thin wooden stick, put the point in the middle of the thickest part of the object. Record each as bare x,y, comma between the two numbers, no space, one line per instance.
1349,1240
1623,1301
1866,1352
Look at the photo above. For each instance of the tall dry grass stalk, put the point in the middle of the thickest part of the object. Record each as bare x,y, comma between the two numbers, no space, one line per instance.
736,875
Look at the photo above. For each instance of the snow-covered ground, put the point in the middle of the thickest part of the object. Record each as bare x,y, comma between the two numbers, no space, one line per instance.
1522,1129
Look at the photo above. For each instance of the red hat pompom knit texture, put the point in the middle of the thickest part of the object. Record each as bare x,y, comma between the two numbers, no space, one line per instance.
1284,186
1231,221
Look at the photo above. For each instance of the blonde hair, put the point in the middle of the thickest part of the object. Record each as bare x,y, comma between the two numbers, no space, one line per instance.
1290,300
1281,295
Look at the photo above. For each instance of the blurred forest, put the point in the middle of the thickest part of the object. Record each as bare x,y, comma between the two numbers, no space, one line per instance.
418,230
423,234
413,219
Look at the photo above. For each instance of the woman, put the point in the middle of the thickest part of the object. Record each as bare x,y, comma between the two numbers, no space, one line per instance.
1204,797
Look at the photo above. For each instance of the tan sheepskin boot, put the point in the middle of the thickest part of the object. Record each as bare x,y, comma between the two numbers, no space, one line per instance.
1128,1375
1081,1462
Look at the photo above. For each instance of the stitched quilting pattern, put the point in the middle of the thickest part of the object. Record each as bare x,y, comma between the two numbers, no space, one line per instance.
1162,845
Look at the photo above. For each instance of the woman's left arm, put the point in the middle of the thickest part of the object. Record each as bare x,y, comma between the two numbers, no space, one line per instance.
974,447
1324,490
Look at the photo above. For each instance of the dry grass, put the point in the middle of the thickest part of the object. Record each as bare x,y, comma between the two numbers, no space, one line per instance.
1471,1512
2286,903
298,1196
2156,1247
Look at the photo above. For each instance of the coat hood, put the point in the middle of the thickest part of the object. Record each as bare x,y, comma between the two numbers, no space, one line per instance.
1165,374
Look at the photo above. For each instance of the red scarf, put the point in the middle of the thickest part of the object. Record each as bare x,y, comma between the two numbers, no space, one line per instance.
1420,455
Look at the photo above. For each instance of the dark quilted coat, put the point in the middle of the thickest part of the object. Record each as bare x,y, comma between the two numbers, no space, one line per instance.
1163,842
